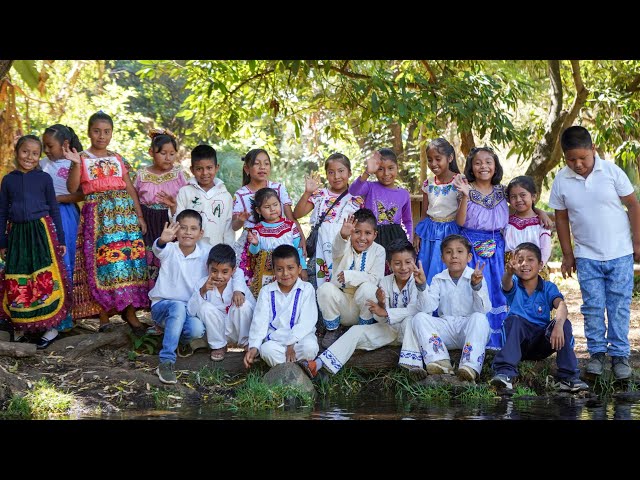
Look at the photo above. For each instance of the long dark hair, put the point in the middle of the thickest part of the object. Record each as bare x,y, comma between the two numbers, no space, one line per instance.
260,197
61,133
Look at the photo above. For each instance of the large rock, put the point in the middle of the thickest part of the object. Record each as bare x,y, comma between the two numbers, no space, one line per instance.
289,374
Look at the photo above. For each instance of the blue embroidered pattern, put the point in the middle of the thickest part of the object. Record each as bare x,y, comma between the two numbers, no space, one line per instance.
330,358
362,321
440,190
488,201
295,307
332,324
363,262
411,355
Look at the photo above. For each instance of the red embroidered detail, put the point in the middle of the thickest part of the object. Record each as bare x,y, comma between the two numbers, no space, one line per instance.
522,223
277,231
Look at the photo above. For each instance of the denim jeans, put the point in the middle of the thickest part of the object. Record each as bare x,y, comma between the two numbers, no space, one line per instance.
178,326
606,284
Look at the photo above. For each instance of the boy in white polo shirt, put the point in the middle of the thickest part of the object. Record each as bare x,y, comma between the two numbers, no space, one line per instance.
588,195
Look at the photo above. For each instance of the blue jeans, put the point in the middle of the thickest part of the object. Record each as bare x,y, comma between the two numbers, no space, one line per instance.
178,326
606,284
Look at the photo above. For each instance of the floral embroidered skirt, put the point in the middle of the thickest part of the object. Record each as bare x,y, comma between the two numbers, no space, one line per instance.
111,268
35,288
155,216
263,271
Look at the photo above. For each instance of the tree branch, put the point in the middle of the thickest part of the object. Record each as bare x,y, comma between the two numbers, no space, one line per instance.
432,76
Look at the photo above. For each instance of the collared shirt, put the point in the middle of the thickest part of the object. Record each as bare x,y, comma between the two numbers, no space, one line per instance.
455,299
535,307
358,268
599,222
399,304
222,301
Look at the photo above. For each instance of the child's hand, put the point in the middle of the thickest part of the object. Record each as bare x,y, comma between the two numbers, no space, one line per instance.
373,163
252,237
290,354
143,225
419,275
166,199
341,277
377,309
380,296
169,232
545,219
557,337
249,357
348,226
209,284
510,266
244,216
71,154
462,185
311,183
237,299
416,242
476,276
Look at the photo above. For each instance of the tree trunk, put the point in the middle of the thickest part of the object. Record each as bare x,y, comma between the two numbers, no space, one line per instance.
467,142
423,154
5,66
396,139
17,350
10,126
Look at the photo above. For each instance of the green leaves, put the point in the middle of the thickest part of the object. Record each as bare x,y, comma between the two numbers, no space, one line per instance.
28,72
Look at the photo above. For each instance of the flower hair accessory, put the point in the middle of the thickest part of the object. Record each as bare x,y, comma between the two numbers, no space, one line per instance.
154,132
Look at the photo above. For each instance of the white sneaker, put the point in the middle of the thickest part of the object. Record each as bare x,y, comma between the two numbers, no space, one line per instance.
467,373
440,367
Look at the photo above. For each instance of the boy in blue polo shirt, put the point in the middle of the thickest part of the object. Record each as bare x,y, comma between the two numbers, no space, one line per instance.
530,334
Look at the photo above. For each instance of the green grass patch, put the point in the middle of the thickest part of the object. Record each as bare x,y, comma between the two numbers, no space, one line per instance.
43,401
215,377
254,394
348,381
521,391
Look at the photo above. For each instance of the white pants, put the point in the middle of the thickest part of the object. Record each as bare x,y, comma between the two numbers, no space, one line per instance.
274,353
435,335
340,307
410,355
222,327
362,337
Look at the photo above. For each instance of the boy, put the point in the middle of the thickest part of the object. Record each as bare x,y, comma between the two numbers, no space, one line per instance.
530,334
208,195
225,310
358,266
588,194
461,296
396,302
284,322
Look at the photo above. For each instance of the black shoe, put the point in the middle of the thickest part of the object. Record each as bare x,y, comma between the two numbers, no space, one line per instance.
43,343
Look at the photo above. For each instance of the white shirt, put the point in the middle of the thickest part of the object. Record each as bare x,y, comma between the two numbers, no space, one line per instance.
366,266
400,304
284,318
59,172
599,222
453,300
178,274
222,301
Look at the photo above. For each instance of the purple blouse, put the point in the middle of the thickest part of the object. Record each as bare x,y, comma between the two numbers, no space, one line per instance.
389,205
487,212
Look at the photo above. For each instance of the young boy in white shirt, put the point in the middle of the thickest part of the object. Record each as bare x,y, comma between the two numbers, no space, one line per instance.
283,328
223,302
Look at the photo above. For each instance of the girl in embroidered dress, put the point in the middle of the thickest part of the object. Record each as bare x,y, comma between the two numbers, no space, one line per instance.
57,166
271,231
157,186
111,269
255,175
524,225
337,197
440,200
35,287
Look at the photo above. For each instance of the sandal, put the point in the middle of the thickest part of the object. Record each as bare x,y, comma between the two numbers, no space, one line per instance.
308,367
106,327
155,331
217,354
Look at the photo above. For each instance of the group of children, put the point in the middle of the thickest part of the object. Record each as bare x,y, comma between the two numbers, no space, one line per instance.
168,243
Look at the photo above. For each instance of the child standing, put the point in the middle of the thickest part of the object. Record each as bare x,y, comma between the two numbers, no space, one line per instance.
35,288
359,263
284,321
183,264
588,195
157,186
396,303
440,200
530,335
391,205
255,175
462,299
208,195
223,302
111,269
271,231
330,205
55,139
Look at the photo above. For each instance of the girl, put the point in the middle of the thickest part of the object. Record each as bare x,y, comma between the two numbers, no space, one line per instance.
270,231
391,205
440,200
255,175
35,287
524,225
111,269
157,186
341,204
55,138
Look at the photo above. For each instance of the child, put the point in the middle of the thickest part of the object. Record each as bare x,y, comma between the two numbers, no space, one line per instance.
283,325
391,205
182,265
35,288
588,194
270,231
255,175
57,166
338,202
360,266
111,269
223,302
524,225
440,200
530,335
462,299
396,302
157,186
208,195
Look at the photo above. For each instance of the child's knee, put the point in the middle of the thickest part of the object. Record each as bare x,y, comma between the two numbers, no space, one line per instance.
481,322
309,350
326,291
366,291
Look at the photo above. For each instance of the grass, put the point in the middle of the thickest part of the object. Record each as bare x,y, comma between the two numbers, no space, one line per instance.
521,391
348,381
43,401
254,394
